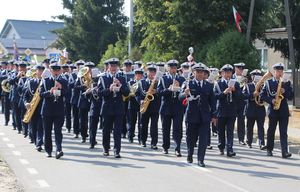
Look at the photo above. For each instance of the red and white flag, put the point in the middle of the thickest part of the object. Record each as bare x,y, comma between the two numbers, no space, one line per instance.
237,18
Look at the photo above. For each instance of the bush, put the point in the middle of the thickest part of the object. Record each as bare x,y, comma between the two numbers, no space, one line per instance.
232,48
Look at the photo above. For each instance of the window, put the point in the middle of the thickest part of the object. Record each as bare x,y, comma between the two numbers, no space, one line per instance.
263,58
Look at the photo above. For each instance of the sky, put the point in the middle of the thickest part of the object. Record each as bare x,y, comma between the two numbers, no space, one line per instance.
35,10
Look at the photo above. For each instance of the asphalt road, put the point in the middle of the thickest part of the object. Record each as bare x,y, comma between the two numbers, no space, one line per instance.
142,169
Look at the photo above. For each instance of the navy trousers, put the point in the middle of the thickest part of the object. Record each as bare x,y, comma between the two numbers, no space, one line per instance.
145,118
226,125
56,123
177,130
115,123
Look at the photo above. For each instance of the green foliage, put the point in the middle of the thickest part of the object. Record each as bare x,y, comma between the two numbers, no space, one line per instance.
232,48
92,26
118,50
169,28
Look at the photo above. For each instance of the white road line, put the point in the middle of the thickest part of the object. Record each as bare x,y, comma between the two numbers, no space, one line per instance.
227,183
5,139
17,153
197,167
24,161
32,171
10,145
2,133
42,183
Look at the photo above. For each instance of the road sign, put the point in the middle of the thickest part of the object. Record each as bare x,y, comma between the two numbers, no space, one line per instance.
27,52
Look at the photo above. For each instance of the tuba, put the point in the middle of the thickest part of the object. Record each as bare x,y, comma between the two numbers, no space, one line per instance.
259,86
133,88
84,74
6,87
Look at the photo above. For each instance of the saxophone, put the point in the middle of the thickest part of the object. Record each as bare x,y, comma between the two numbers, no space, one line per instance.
149,97
33,105
259,86
279,97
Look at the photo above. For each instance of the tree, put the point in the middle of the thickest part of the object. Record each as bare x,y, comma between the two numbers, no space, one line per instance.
92,26
232,48
169,28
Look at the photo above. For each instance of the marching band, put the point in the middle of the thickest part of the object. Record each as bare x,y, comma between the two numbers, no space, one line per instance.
126,101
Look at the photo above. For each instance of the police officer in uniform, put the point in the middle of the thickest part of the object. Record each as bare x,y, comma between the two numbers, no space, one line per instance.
134,107
128,75
238,75
200,112
281,115
75,97
111,87
227,93
17,81
36,124
3,76
171,109
254,112
83,104
66,71
53,89
94,113
152,110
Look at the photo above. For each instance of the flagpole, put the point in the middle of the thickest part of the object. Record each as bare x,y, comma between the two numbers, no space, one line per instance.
250,19
130,28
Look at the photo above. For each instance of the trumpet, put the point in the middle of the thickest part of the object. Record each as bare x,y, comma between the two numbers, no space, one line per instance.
174,87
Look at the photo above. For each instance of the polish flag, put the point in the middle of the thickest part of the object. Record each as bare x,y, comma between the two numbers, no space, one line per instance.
237,18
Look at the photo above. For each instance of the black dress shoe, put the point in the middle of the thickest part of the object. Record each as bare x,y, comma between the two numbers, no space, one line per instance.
242,143
178,153
130,140
269,153
14,128
286,155
154,147
249,145
221,152
39,148
6,124
25,135
83,141
31,141
19,132
165,151
92,147
59,154
201,164
69,131
231,154
117,155
143,145
106,153
263,147
189,159
209,147
76,136
48,155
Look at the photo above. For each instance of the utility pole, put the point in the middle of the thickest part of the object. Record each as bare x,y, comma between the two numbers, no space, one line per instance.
291,44
130,28
250,19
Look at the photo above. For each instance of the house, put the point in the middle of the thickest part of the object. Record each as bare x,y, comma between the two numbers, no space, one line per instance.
268,55
34,36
